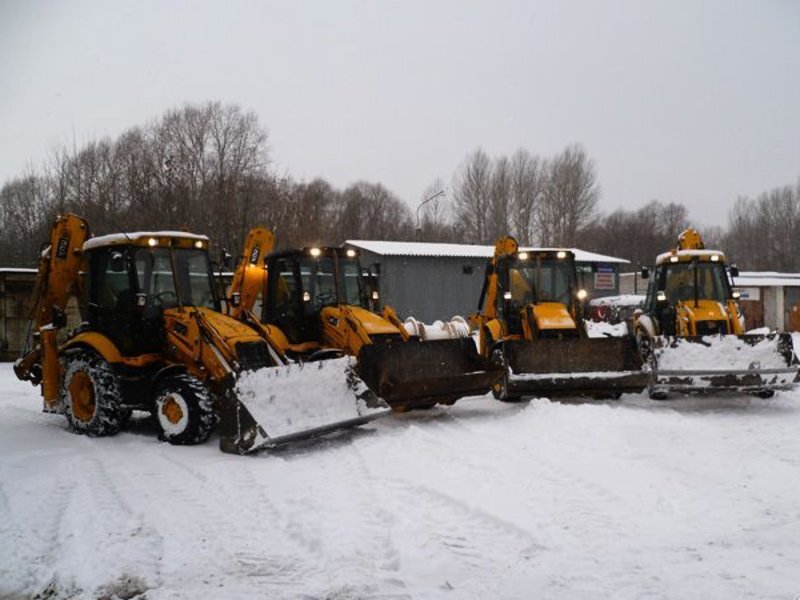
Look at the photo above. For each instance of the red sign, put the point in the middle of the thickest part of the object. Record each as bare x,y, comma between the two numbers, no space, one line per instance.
604,281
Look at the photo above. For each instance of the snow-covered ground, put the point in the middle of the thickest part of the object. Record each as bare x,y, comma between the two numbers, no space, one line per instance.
693,498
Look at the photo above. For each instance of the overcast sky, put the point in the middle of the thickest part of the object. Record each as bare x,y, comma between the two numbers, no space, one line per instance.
692,102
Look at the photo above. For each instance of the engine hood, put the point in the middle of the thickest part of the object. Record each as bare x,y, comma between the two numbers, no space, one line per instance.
371,323
552,316
228,328
706,310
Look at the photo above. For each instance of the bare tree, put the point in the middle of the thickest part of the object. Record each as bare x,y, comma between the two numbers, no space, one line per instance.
570,197
471,189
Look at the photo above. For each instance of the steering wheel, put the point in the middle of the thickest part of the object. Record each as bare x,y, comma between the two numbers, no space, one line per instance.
328,297
166,295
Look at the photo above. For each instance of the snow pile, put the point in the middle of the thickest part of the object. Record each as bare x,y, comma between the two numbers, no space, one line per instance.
621,300
598,329
457,327
720,353
295,398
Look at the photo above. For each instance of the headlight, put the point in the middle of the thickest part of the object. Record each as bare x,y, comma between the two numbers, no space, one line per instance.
152,242
582,294
673,259
736,294
523,256
375,296
507,296
661,297
198,244
715,258
351,253
561,254
315,252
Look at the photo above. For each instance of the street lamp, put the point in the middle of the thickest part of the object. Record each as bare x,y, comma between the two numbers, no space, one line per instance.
423,203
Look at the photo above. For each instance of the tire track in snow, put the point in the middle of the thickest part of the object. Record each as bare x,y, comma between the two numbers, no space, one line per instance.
345,526
217,532
33,525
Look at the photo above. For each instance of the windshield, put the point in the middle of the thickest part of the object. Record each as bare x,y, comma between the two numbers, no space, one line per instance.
678,280
319,281
191,278
540,279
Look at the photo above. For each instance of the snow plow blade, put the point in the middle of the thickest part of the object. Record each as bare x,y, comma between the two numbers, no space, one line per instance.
595,367
416,374
278,405
747,363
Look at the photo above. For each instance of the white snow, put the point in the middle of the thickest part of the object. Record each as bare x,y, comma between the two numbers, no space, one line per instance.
664,256
125,238
387,248
295,398
595,329
621,300
692,498
720,353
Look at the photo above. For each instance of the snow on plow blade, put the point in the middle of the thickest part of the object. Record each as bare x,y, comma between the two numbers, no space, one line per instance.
416,374
277,405
749,363
574,366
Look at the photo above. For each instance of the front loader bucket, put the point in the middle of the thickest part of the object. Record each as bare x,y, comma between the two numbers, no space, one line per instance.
417,374
574,367
277,405
747,363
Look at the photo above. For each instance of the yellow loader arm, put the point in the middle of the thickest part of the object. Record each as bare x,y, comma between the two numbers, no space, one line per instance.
251,273
57,281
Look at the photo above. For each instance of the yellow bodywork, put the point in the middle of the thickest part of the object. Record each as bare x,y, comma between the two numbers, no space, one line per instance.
536,317
688,312
552,315
688,315
350,327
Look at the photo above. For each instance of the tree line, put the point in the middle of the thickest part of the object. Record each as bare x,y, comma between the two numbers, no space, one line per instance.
206,168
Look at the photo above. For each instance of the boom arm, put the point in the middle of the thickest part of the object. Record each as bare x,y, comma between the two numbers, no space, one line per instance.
57,281
251,273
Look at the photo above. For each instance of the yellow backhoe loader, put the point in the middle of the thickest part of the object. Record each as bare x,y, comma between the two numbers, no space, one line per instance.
531,325
153,338
316,304
691,331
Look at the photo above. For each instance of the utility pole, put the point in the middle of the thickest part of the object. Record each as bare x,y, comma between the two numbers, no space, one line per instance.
421,204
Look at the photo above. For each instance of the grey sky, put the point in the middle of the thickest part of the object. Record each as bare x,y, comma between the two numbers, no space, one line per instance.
693,102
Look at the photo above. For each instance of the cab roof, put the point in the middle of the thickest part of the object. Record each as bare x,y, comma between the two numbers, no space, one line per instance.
142,238
688,255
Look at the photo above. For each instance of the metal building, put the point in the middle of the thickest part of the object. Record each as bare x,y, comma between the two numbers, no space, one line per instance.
432,281
16,287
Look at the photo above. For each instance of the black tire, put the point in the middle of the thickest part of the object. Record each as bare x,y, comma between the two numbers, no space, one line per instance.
91,394
765,394
644,343
183,410
656,394
500,388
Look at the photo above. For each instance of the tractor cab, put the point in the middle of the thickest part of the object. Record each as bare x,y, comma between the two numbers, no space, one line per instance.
301,283
133,278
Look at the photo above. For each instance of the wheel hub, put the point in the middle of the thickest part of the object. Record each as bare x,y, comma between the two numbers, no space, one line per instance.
172,410
81,392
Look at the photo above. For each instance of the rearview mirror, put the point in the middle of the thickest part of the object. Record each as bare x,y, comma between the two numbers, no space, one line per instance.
645,273
236,299
734,271
117,262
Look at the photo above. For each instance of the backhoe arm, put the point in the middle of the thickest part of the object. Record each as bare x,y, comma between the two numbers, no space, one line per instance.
251,273
57,281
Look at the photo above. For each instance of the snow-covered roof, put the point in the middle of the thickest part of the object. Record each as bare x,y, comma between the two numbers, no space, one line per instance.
462,250
17,270
126,238
766,279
